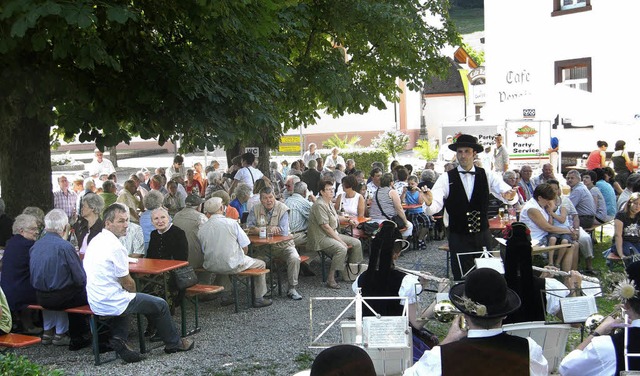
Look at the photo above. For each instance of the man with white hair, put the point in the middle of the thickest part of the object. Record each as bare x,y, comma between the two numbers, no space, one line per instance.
225,246
100,165
58,277
310,155
288,185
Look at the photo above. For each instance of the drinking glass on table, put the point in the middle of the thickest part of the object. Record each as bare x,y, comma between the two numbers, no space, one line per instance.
501,213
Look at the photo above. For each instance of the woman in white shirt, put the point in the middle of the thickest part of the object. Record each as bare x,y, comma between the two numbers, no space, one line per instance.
350,201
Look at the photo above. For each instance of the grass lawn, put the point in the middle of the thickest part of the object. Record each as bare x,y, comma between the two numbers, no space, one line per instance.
468,21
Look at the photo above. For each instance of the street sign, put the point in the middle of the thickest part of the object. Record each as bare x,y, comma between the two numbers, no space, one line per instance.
254,150
290,140
288,148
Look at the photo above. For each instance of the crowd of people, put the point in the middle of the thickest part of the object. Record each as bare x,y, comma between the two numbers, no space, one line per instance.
77,253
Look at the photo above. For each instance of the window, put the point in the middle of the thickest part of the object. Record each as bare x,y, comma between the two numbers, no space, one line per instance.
561,7
574,73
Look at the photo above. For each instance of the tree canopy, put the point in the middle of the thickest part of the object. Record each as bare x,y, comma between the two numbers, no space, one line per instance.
217,73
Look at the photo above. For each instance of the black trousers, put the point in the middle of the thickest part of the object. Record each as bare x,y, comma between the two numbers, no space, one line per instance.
68,297
466,242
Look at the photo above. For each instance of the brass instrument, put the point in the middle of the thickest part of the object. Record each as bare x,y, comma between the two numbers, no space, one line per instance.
594,320
564,274
444,311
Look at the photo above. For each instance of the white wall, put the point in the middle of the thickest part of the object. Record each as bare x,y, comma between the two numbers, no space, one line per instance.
522,43
443,110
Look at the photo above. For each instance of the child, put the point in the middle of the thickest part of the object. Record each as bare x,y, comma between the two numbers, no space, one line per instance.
412,195
558,217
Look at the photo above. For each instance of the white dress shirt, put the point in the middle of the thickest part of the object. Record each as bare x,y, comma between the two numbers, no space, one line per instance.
597,359
442,186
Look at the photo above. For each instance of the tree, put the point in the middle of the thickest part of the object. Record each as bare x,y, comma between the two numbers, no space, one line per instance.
391,141
214,73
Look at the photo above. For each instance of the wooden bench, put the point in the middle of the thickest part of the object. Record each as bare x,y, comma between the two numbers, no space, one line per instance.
245,278
445,248
16,341
192,295
96,324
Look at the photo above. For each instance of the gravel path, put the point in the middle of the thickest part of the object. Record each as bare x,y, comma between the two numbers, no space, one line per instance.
268,341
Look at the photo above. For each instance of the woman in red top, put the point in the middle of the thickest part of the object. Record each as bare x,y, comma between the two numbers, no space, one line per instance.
192,185
598,157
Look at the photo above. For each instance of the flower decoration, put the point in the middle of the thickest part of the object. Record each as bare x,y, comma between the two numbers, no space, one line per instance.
455,137
625,290
471,306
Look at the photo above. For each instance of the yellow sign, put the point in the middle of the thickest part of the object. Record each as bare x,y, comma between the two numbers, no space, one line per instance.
290,140
288,148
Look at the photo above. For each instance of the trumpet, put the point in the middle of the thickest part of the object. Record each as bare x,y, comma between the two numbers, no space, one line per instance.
444,311
564,274
422,275
594,320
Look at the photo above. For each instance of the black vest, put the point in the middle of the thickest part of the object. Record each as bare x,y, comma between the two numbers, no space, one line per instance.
633,347
498,355
466,216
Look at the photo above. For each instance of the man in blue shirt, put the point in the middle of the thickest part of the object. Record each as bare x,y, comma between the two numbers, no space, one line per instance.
58,276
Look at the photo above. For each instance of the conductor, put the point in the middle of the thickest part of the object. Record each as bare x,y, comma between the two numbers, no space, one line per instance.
464,193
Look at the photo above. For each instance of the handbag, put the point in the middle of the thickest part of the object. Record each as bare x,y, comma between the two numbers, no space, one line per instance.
352,271
369,228
397,219
184,277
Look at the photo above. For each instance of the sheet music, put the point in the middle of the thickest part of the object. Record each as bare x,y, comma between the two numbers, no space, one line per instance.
577,309
385,332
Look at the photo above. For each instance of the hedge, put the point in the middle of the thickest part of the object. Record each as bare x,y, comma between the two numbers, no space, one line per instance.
364,157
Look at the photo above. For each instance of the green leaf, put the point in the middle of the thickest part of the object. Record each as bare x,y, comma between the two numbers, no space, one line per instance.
117,14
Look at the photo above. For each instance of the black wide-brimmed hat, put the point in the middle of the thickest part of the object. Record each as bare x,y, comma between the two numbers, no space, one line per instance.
484,294
467,141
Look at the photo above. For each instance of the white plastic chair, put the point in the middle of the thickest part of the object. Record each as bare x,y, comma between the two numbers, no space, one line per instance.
552,338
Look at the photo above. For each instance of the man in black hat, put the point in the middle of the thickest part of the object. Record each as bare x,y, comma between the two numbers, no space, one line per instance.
485,300
602,353
464,192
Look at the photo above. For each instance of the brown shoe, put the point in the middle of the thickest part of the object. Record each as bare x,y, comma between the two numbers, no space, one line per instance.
185,345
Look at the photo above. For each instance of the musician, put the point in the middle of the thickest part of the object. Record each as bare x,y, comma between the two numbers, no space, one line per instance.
602,353
464,192
380,279
485,300
521,279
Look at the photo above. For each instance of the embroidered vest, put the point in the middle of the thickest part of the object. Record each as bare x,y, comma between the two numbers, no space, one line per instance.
468,217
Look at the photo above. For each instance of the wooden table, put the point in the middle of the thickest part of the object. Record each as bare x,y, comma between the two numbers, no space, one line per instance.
147,272
257,241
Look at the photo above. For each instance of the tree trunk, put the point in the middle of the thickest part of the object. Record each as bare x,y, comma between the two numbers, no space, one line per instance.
113,155
233,151
263,160
25,165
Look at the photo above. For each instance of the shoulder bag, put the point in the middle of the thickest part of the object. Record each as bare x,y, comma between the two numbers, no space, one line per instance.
184,277
397,219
